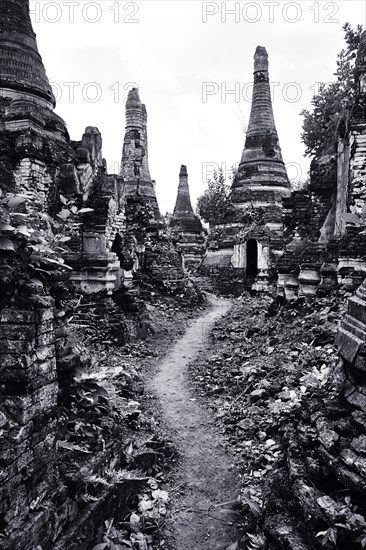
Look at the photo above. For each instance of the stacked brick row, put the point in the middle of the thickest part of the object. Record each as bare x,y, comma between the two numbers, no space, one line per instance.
308,264
28,396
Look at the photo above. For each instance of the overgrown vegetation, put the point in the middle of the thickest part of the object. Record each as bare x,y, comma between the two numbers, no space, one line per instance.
32,245
332,104
271,365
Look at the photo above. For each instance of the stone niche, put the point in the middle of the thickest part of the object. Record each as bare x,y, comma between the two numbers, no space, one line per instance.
253,257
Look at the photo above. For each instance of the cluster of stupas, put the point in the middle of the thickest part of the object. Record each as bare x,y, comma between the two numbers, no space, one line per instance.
294,242
301,242
266,239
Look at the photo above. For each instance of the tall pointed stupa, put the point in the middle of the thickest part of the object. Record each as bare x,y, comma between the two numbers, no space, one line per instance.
183,207
183,214
22,73
261,164
134,164
247,245
186,228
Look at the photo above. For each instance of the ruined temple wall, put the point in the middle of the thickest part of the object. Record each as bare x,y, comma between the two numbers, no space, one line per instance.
31,178
311,244
319,237
309,260
357,167
322,189
29,390
352,245
39,504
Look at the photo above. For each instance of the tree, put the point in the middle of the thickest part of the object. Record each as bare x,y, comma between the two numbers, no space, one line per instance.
215,202
332,104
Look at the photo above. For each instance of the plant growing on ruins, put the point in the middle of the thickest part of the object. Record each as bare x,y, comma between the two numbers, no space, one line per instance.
90,391
351,521
143,524
256,542
328,536
27,231
32,249
333,101
38,238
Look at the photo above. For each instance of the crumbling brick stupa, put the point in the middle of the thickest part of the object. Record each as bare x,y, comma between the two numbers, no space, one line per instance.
316,496
317,489
68,178
320,485
246,246
45,179
185,227
38,157
134,163
145,237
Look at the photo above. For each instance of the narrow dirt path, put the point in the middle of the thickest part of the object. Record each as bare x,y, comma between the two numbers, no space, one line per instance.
206,476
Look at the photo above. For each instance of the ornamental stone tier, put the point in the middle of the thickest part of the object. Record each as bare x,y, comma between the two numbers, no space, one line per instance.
22,71
261,166
27,99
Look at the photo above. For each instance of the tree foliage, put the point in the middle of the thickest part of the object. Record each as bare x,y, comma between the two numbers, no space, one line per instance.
332,104
215,202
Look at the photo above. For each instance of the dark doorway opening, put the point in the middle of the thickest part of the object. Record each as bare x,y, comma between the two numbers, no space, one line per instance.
252,258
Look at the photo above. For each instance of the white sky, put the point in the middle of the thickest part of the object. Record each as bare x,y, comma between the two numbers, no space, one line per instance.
173,55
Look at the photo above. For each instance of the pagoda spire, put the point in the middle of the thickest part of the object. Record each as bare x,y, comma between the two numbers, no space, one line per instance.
183,206
261,162
134,164
135,173
22,74
185,227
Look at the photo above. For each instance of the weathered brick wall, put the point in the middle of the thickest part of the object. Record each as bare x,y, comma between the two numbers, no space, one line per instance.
357,191
41,493
311,252
28,398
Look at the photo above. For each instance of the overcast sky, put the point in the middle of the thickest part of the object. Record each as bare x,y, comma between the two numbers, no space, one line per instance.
186,57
